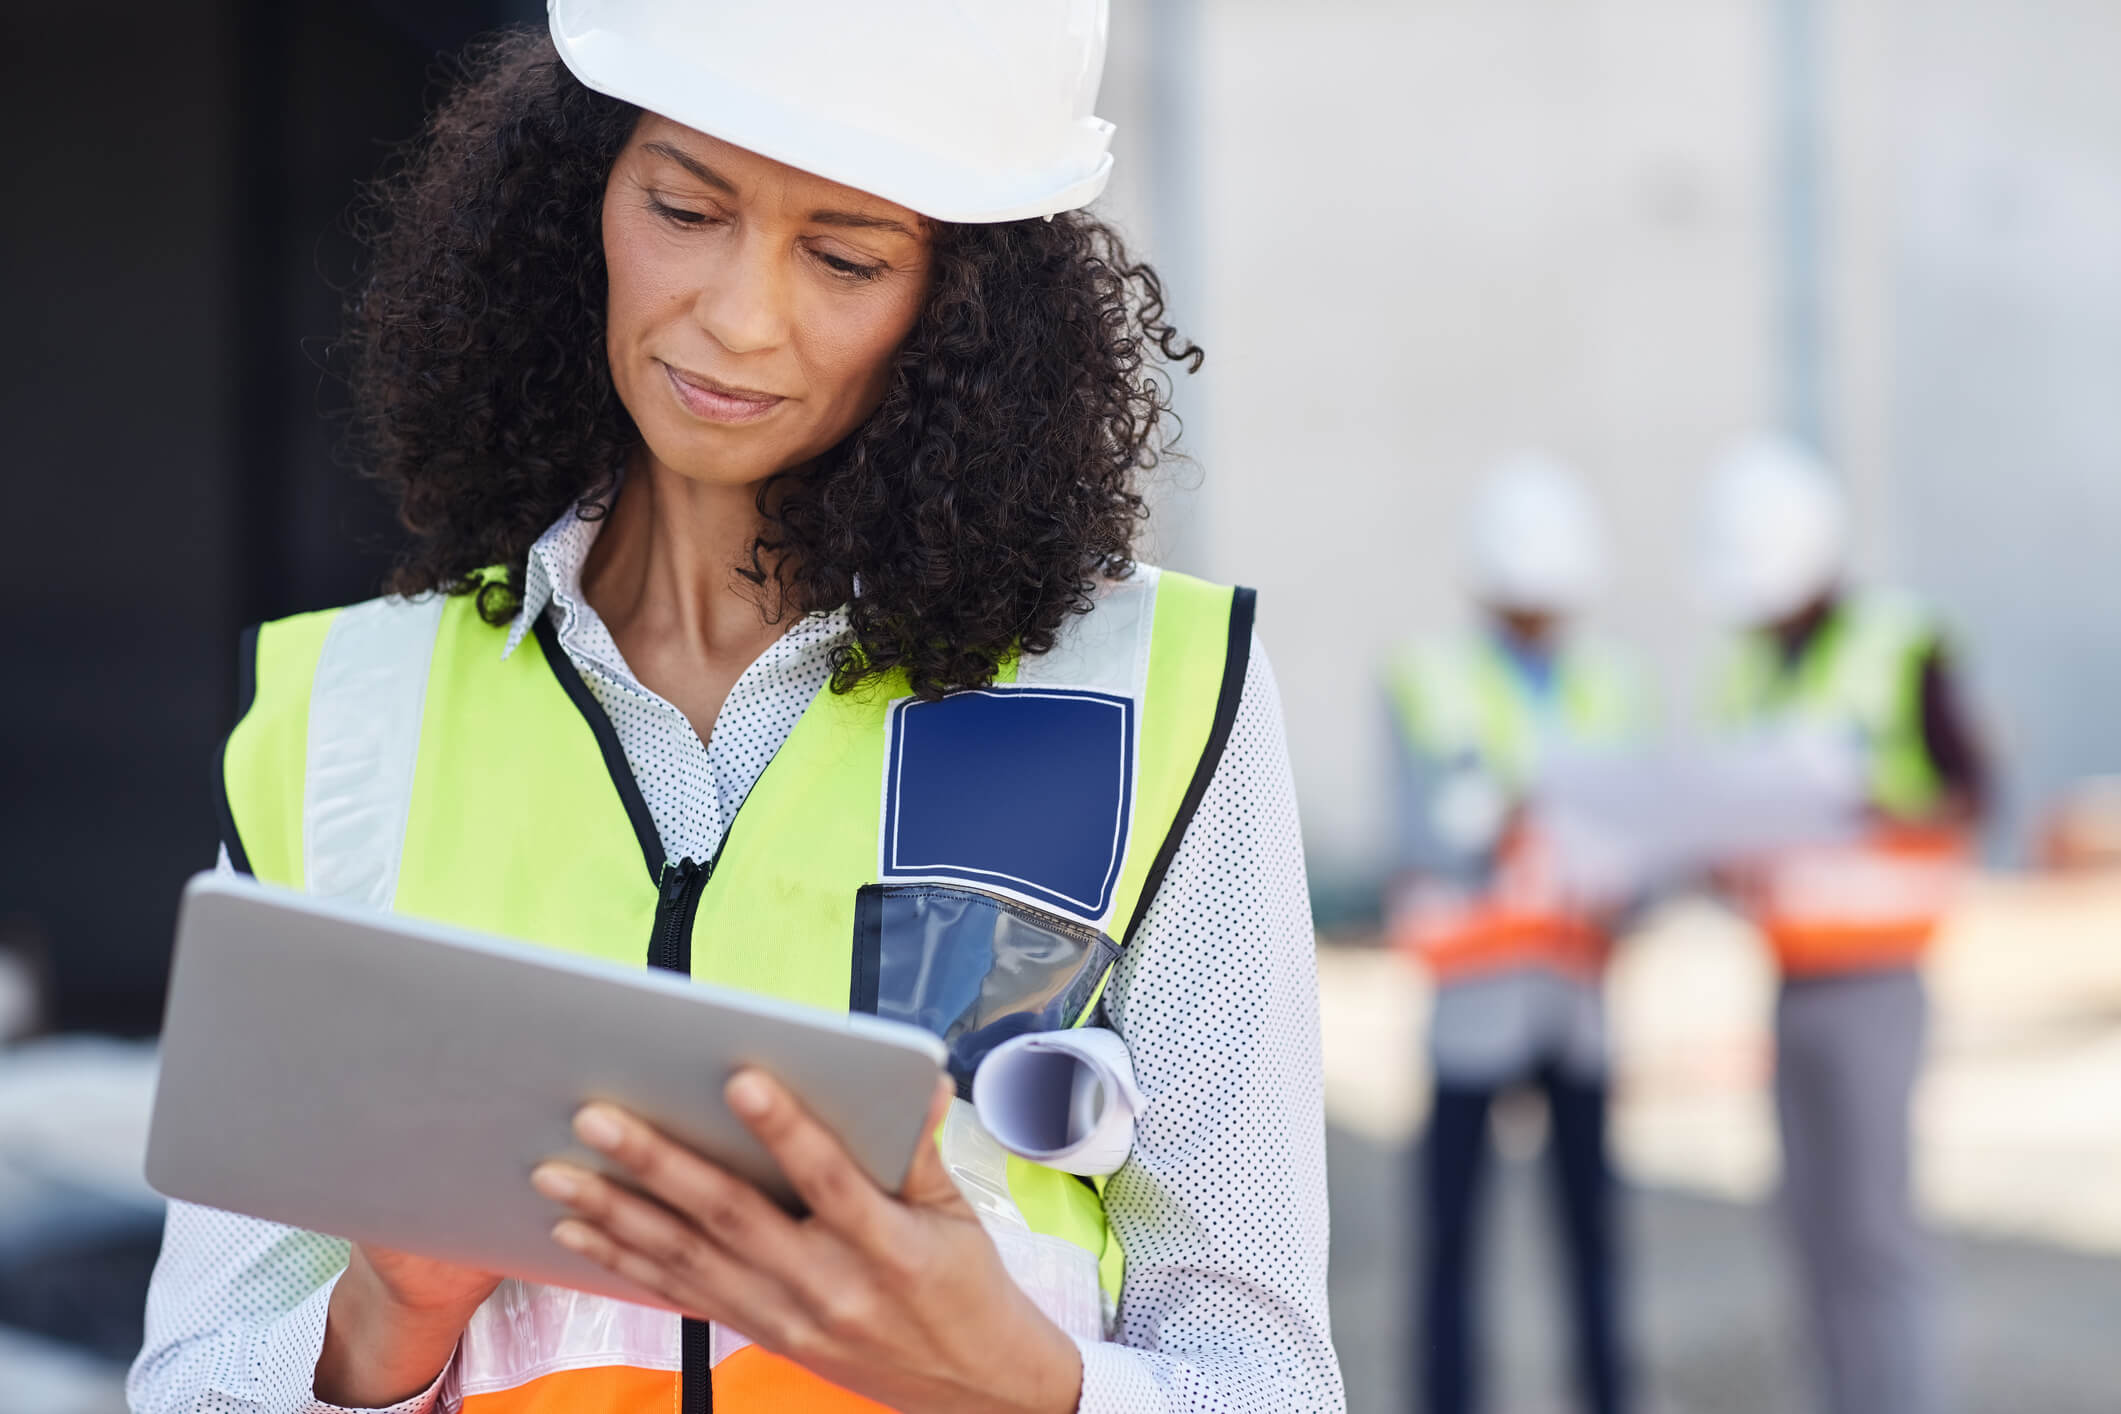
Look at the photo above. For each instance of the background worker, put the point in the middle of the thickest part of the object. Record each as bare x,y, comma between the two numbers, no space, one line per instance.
1867,674
1517,962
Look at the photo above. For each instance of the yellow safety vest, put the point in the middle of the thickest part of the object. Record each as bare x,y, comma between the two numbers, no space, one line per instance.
1859,677
1460,697
1460,701
974,865
1875,902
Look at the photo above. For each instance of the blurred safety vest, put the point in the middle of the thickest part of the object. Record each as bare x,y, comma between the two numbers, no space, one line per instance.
973,865
1461,702
1876,901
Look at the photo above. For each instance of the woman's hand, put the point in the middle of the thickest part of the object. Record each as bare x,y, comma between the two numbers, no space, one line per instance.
392,1325
900,1298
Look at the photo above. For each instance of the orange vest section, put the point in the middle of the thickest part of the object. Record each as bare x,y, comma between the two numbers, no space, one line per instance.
600,1389
1873,904
1487,938
754,1381
748,1381
1521,920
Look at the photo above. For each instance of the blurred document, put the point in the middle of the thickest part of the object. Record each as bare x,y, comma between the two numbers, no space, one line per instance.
1622,822
1065,1099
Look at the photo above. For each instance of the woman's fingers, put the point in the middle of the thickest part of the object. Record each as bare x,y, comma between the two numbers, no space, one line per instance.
817,1165
644,1226
729,1210
928,1183
658,1249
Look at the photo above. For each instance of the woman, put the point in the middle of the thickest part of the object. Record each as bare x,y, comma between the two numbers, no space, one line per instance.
744,411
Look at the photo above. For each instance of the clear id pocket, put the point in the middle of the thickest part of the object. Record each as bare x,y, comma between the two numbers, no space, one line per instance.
972,968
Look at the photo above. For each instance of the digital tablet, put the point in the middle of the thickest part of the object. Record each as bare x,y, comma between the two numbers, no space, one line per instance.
395,1081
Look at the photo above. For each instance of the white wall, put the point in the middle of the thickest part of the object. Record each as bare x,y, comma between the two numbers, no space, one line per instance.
1427,231
1434,232
2005,404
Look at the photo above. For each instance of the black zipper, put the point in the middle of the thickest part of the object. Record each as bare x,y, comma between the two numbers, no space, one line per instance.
677,904
696,1395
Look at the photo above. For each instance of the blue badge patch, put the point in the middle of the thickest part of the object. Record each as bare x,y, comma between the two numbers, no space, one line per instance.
1025,789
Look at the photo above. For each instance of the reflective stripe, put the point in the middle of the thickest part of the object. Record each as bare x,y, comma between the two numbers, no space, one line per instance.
1875,903
524,1332
263,761
1060,1276
722,1343
1106,650
364,739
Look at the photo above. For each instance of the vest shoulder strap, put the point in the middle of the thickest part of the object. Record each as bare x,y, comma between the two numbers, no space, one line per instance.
264,754
1878,655
1434,686
1603,695
1198,651
1458,694
318,770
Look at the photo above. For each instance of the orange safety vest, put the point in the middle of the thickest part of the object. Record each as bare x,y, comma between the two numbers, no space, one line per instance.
1875,902
1520,920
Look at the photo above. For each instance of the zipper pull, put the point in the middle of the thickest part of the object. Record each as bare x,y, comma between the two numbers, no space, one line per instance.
676,879
677,895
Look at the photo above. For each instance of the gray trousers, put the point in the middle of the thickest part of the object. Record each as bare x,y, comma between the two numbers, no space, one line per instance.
1847,1053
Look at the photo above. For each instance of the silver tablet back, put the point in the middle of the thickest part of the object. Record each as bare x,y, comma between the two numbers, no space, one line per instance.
395,1081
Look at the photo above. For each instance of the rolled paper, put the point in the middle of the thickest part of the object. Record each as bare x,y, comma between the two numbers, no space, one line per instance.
1065,1099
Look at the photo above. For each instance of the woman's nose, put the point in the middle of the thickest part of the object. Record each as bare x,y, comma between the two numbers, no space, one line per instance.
743,303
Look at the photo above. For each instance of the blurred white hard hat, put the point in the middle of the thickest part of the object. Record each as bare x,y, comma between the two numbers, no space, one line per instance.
1533,541
961,112
1774,531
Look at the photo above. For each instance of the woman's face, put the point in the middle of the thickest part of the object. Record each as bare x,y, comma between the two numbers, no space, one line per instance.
754,308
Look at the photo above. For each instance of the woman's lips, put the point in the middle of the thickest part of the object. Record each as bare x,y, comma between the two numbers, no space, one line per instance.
719,402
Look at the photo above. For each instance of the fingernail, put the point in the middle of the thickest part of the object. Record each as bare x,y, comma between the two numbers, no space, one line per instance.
596,1128
570,1236
555,1183
747,1095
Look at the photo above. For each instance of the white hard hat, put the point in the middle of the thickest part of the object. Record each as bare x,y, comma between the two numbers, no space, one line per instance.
1774,531
961,112
1533,540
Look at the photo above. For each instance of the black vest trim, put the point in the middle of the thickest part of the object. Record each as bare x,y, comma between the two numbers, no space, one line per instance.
246,695
1237,658
615,763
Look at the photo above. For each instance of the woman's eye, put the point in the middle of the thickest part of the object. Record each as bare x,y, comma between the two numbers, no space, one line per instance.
677,215
853,270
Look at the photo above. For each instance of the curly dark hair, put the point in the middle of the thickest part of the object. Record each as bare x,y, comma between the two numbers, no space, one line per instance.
975,508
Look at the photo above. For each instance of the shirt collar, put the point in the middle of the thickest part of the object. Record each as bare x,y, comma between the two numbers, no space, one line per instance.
553,573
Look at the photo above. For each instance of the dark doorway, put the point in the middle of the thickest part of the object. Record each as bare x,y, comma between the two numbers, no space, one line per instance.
174,260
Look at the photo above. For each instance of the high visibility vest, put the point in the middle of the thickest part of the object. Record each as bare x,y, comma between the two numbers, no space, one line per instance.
974,865
1876,901
1461,702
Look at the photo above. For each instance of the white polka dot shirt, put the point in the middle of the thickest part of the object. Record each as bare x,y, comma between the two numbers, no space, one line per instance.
1221,1207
